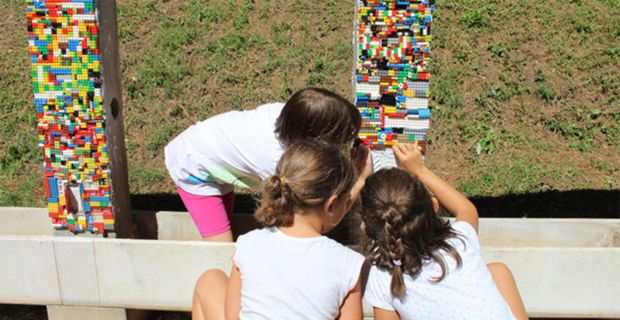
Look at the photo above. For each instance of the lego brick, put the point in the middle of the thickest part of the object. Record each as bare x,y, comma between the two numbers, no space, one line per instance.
63,40
393,51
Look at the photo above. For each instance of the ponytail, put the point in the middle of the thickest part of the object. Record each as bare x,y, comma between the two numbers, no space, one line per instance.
276,207
307,175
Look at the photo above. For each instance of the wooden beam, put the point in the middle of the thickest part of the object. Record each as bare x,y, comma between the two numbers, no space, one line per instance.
113,108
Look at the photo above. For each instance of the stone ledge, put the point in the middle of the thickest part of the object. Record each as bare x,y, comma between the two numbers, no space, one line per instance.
150,274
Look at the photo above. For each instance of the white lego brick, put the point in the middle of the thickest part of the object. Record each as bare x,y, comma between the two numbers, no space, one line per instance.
416,124
416,103
372,89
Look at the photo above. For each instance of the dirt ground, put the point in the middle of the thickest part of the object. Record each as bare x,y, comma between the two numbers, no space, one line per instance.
525,95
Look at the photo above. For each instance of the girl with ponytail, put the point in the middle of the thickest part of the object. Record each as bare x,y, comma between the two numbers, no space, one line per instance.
289,270
423,267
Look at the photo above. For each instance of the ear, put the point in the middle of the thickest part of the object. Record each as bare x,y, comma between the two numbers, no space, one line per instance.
331,203
435,205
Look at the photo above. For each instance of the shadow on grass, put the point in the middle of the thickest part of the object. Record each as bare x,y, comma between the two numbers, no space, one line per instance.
550,204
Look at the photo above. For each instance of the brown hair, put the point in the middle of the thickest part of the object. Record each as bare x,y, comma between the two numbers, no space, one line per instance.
318,114
307,175
402,227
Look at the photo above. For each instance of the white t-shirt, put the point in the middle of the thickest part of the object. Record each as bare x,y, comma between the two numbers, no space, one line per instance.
284,277
236,148
465,293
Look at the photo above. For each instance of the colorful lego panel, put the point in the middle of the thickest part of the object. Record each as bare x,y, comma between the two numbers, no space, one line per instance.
63,38
392,73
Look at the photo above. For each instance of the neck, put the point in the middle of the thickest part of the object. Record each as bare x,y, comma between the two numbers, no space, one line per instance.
306,224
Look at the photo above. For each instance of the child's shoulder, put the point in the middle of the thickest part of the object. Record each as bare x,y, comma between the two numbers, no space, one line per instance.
256,234
466,233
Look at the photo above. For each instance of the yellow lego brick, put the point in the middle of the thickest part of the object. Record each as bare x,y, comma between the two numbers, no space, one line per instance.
389,109
52,207
108,221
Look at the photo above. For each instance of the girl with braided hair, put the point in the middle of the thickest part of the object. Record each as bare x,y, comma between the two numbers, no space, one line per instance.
289,270
423,267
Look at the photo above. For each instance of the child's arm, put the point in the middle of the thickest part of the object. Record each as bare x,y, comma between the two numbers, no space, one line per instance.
381,314
352,306
360,157
409,158
233,295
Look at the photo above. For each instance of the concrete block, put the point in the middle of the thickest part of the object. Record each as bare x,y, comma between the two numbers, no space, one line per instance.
84,313
28,272
77,271
25,221
550,232
145,274
176,225
564,282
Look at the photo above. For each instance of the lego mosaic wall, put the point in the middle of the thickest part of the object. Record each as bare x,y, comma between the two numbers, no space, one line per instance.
63,37
392,74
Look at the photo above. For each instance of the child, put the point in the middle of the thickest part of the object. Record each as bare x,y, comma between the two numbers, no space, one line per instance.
241,148
288,270
423,267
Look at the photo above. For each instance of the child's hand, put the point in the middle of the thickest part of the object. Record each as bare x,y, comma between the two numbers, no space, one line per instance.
360,157
409,157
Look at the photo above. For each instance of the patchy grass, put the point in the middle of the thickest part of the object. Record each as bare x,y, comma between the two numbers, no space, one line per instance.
526,94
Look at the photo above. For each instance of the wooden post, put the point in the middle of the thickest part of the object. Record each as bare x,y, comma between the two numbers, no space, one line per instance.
113,108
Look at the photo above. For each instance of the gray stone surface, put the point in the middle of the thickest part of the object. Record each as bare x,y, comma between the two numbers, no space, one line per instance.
25,221
28,270
564,282
564,268
85,313
154,274
77,271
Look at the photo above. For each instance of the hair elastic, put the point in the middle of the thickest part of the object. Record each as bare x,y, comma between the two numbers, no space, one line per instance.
283,181
397,262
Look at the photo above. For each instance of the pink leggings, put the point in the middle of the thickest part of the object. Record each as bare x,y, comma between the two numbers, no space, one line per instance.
210,213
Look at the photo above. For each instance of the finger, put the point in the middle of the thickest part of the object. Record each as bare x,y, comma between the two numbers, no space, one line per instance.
397,150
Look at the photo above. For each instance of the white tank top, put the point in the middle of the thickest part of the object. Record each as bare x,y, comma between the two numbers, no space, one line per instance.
284,277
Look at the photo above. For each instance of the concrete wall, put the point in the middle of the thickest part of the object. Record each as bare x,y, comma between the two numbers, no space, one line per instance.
562,267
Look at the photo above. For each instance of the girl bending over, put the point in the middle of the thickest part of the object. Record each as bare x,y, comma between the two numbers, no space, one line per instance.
241,148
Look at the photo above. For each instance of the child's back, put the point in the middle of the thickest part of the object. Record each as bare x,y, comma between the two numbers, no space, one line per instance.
237,148
289,277
289,270
466,292
423,267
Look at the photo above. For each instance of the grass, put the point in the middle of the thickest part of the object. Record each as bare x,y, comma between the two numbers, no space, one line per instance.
525,93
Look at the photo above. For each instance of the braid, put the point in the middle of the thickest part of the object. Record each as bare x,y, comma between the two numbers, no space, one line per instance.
403,231
394,244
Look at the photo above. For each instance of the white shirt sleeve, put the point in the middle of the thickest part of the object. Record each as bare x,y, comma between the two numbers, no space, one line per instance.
469,234
377,292
238,253
354,261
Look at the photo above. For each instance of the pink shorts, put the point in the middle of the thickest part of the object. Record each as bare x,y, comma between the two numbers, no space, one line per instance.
210,213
